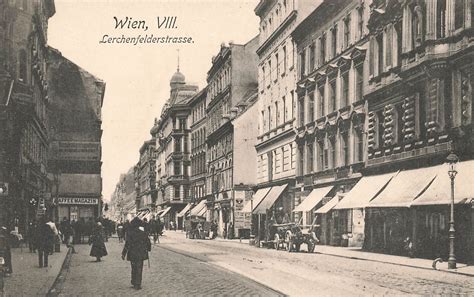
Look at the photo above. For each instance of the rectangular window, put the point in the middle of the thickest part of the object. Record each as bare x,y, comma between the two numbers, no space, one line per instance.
301,159
322,106
284,59
345,89
359,145
302,63
301,110
379,40
360,24
332,144
263,76
312,54
332,95
320,155
177,168
177,144
398,31
176,193
323,48
347,31
359,72
311,107
326,157
441,19
310,157
284,109
277,66
292,104
388,47
264,128
372,57
458,14
345,148
269,80
334,42
277,114
269,118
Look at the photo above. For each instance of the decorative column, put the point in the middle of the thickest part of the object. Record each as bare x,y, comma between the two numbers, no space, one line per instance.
371,132
388,125
409,127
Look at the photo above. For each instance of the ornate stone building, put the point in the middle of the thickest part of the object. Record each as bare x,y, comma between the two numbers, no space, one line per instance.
332,76
276,149
171,132
420,110
24,100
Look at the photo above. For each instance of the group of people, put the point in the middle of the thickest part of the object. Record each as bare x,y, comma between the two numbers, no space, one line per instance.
153,228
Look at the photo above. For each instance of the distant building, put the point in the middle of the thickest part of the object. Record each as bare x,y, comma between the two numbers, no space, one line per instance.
172,132
232,76
24,138
145,177
122,205
198,148
75,155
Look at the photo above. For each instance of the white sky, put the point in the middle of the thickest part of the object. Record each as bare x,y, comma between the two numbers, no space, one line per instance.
137,77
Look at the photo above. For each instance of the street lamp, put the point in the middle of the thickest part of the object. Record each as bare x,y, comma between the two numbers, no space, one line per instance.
452,160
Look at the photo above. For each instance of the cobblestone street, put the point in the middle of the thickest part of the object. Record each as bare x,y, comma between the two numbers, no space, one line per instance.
170,273
186,267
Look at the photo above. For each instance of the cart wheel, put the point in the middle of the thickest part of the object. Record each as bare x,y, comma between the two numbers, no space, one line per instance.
276,242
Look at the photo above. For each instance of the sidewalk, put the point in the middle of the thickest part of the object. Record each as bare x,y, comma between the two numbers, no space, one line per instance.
27,278
359,254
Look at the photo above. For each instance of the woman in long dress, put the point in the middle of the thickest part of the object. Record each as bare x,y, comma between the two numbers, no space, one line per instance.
98,249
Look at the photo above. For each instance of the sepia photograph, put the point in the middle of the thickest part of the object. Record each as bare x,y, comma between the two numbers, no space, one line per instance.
236,148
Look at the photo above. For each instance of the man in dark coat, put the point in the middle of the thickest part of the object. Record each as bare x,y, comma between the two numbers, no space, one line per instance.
137,246
44,242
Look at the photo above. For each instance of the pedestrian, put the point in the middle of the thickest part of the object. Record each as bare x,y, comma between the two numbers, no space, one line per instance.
30,236
5,248
44,242
120,231
98,249
137,246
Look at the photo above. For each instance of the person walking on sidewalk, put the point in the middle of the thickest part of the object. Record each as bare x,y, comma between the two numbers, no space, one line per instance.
6,249
98,249
137,246
30,236
44,242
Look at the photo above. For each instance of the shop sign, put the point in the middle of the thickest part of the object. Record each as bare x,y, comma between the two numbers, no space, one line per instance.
78,200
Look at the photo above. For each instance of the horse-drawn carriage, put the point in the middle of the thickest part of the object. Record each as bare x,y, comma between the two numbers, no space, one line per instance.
291,236
197,228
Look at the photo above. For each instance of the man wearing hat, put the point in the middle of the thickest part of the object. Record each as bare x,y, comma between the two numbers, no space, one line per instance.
137,246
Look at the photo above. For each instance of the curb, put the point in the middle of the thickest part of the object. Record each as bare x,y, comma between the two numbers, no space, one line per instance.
377,261
58,282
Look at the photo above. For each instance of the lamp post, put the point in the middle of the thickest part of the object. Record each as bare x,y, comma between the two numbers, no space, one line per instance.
452,160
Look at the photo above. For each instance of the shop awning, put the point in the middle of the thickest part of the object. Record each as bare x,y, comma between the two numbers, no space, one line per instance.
440,190
313,199
197,209
182,213
165,211
270,199
257,198
202,213
404,188
365,190
328,206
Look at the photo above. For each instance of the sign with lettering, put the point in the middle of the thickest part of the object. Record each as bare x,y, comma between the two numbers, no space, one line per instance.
78,200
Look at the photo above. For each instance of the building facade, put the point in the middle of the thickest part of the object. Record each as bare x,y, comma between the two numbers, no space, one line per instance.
331,111
24,136
122,205
420,110
75,132
198,146
172,132
232,75
276,149
145,176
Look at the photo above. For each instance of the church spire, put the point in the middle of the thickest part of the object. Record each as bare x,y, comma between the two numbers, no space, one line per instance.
178,59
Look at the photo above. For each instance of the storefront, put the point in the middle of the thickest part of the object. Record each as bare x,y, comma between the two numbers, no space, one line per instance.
75,208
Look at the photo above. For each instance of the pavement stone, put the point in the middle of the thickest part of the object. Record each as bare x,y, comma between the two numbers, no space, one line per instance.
27,278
